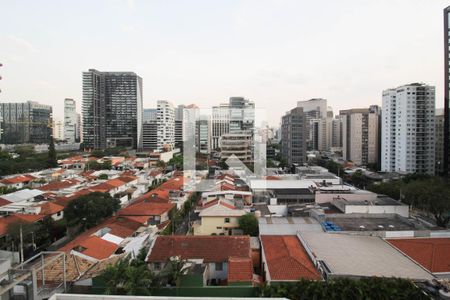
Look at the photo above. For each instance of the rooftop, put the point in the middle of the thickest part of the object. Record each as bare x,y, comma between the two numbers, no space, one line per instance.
360,223
431,253
287,226
257,184
240,269
208,248
361,256
287,259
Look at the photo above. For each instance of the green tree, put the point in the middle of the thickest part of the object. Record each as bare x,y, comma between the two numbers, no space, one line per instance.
98,153
359,179
89,210
130,276
52,161
7,190
176,162
103,177
161,164
249,224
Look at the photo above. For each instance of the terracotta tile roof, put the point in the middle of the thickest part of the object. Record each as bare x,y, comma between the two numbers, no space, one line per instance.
240,269
50,208
18,179
116,182
139,219
432,253
29,218
273,178
120,226
149,208
58,185
102,187
5,222
208,248
4,202
155,173
287,259
96,247
127,178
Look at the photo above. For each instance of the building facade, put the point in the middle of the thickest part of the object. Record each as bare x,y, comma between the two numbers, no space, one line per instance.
28,122
439,139
166,126
112,109
237,143
360,135
319,117
336,133
294,136
446,161
58,130
150,128
235,116
408,128
179,113
71,125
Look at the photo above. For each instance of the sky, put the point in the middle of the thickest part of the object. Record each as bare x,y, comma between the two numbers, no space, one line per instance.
274,52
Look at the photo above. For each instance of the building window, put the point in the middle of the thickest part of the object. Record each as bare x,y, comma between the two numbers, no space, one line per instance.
219,266
227,220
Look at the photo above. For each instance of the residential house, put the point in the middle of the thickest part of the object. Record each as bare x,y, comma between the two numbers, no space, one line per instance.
148,212
222,259
17,182
219,217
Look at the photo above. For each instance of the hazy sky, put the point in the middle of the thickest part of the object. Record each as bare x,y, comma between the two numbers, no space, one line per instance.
187,51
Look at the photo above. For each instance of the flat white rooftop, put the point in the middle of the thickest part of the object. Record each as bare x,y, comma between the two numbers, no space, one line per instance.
362,256
259,184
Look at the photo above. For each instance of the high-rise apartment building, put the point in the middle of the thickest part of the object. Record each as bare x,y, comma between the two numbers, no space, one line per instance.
112,109
360,135
446,162
166,126
293,136
408,144
319,117
439,140
202,134
150,129
235,116
58,129
71,125
336,133
28,122
179,113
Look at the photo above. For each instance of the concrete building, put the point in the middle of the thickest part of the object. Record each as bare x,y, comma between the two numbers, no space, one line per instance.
179,128
235,116
446,90
439,140
150,129
294,136
166,126
71,125
112,109
26,122
238,143
319,133
336,133
202,135
360,135
408,143
58,130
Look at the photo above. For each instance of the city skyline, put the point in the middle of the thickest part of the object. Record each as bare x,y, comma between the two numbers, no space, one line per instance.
225,50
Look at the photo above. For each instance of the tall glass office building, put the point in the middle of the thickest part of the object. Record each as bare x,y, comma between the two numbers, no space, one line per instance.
112,109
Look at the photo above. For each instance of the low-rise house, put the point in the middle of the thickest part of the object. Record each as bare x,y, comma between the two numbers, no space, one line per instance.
17,182
222,259
103,241
243,196
19,200
53,210
57,186
148,212
218,217
284,259
431,253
